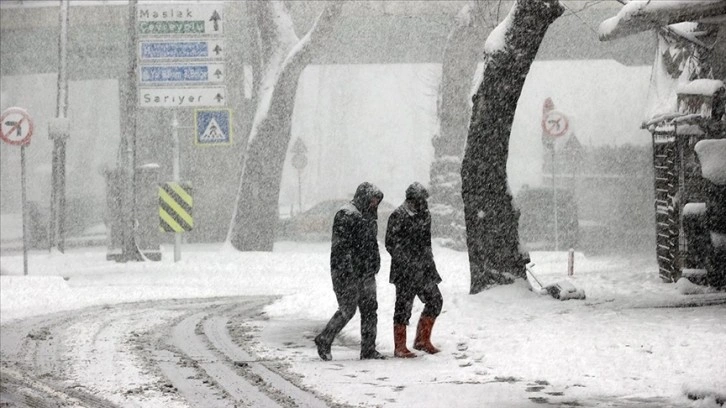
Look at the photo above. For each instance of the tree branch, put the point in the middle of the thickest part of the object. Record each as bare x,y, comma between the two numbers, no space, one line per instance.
316,36
276,32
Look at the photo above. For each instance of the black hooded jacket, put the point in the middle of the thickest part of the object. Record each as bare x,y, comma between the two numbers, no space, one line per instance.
354,245
408,240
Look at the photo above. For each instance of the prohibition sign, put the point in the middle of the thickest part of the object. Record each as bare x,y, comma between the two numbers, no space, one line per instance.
555,123
16,127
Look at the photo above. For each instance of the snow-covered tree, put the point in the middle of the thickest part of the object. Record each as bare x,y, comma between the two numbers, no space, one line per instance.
461,57
490,217
283,57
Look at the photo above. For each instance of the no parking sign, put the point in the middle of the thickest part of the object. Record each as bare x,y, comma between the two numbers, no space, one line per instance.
16,126
555,124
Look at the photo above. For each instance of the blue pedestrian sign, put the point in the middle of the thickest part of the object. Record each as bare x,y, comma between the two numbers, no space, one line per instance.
212,127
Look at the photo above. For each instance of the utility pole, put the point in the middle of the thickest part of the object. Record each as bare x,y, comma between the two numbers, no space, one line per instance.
58,131
176,171
299,161
129,250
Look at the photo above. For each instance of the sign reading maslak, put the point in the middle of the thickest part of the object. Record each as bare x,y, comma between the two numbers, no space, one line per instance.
171,19
175,207
180,55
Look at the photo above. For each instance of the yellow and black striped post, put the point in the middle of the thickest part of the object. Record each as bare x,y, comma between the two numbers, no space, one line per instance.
175,207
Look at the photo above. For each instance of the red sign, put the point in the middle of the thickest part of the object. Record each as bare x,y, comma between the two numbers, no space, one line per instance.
16,126
555,124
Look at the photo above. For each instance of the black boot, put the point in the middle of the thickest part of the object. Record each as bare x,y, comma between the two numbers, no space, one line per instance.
368,333
323,349
324,340
371,355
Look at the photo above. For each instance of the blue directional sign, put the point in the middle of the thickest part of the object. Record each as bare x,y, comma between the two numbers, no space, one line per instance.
180,50
194,73
212,127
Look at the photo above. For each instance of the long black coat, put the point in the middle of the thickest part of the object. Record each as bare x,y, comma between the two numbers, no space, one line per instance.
408,240
354,244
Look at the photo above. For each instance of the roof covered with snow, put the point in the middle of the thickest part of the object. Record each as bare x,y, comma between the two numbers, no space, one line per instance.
642,15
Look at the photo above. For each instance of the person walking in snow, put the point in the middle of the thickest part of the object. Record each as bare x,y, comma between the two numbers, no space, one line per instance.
354,262
413,270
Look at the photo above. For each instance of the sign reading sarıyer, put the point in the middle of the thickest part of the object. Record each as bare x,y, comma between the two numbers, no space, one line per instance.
182,97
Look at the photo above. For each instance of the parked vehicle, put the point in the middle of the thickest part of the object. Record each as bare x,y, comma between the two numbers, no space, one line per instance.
316,223
537,221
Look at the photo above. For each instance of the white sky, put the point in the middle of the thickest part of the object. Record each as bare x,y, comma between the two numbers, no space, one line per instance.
619,346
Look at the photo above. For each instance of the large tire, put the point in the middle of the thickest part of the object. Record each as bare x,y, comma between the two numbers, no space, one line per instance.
667,211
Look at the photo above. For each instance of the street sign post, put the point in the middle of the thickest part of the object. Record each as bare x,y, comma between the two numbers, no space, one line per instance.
16,128
181,65
554,125
181,55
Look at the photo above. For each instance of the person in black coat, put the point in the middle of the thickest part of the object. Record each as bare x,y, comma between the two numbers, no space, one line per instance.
354,262
413,270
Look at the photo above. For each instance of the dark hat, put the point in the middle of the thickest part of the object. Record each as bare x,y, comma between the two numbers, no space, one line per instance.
416,191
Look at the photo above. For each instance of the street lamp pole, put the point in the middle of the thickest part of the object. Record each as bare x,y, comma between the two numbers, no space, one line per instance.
299,161
59,132
130,252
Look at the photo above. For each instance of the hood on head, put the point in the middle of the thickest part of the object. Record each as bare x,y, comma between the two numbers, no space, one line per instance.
416,192
363,195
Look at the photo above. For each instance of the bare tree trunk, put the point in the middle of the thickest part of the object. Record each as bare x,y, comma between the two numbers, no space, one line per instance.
454,111
491,219
284,57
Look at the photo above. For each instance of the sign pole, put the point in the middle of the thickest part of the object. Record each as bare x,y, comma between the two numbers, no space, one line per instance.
16,128
25,210
554,125
299,161
130,251
56,237
176,176
554,197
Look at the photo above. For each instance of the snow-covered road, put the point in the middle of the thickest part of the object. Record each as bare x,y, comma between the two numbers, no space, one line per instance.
222,327
174,353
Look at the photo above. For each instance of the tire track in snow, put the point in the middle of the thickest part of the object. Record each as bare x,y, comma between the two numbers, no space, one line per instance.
185,338
176,353
215,328
34,367
116,369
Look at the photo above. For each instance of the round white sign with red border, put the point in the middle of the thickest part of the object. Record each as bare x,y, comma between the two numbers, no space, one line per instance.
16,126
555,124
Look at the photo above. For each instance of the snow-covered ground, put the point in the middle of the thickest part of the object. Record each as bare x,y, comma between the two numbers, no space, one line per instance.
633,339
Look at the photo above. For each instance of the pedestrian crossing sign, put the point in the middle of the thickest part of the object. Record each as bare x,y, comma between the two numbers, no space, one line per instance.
212,127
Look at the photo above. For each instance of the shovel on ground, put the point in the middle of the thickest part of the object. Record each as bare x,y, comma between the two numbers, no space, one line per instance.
562,290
